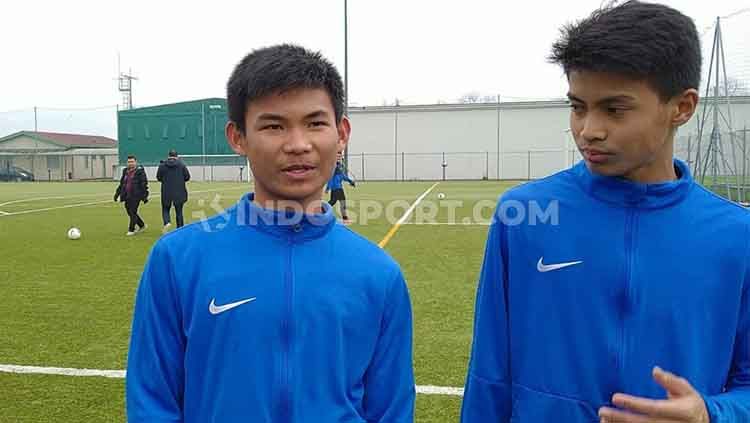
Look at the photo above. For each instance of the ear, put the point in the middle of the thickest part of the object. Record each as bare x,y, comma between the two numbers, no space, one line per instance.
685,105
235,138
345,130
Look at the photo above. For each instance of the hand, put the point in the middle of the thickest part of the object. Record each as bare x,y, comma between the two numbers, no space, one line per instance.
353,184
683,404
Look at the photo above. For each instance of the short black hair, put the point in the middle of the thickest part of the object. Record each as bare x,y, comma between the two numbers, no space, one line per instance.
277,69
644,41
172,153
132,157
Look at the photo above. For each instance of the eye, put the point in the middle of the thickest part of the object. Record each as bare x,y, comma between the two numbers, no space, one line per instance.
577,108
272,127
318,123
616,111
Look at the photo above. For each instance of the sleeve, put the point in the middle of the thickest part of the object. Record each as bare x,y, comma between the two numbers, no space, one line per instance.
487,395
145,183
733,405
118,191
389,381
345,174
185,173
160,173
155,374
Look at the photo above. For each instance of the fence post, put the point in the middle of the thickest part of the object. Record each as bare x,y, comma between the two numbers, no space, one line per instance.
528,165
363,166
487,164
444,164
403,176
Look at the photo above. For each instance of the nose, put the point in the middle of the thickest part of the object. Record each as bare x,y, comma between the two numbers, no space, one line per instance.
297,142
592,129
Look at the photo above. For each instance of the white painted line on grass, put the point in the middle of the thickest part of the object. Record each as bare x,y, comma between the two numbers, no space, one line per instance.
60,371
408,213
66,197
2,213
440,390
56,208
120,374
98,194
101,202
403,219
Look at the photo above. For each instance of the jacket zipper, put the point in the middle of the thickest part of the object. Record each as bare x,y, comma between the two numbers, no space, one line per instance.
626,299
286,400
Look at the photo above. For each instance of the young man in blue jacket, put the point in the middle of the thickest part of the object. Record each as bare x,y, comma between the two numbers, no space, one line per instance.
240,318
336,186
597,278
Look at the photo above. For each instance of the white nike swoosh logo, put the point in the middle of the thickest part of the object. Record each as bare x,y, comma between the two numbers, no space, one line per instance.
549,267
214,309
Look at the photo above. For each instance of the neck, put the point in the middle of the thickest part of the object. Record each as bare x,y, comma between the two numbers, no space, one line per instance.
661,169
655,172
311,205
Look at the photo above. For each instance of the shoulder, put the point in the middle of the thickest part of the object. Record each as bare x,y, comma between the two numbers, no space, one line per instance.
358,251
706,203
559,185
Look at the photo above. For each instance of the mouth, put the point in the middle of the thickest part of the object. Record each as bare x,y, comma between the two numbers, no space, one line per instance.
298,171
596,156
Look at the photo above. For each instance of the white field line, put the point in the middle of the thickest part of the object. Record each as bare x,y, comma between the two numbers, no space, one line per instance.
120,374
66,197
2,213
99,202
408,213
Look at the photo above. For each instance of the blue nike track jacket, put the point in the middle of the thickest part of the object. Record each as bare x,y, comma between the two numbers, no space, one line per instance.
590,281
258,316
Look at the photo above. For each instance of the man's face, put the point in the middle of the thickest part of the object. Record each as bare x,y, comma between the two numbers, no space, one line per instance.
622,128
131,163
291,140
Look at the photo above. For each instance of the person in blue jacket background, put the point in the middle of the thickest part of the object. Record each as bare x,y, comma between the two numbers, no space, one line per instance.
336,187
617,290
272,311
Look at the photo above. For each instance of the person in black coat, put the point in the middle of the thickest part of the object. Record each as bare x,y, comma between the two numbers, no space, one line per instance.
132,190
173,174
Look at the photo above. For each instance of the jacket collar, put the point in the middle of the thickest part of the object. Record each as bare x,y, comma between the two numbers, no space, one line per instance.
622,192
293,225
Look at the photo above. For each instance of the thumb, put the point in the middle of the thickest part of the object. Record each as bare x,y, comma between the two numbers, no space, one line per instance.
675,386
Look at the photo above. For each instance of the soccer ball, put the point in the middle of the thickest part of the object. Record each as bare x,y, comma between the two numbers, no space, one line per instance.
441,196
74,233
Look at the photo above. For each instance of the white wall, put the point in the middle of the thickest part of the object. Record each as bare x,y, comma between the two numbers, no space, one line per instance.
408,142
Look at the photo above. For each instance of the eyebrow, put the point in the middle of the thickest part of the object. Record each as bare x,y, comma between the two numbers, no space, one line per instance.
276,117
607,100
270,116
316,114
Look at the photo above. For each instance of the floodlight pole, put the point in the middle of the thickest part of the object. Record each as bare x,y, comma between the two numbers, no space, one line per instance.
346,75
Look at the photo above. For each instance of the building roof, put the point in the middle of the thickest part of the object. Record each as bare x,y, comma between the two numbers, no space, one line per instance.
65,140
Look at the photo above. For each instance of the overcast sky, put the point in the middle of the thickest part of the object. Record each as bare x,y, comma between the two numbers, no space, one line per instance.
59,54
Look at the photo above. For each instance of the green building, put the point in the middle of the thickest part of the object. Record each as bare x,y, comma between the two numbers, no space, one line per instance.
193,128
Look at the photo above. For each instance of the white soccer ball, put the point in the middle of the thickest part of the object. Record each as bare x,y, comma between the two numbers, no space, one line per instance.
441,196
74,233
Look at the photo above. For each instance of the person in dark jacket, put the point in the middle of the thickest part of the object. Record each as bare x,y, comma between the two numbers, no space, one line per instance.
173,174
132,190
